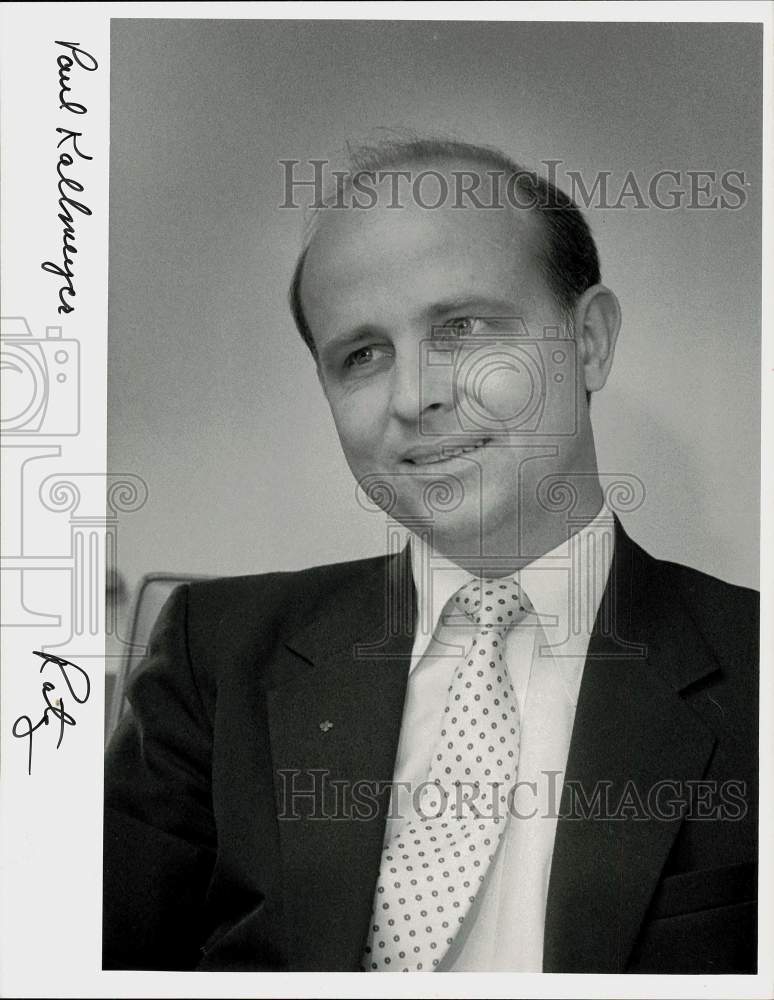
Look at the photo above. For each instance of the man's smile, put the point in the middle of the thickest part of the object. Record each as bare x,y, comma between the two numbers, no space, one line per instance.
443,451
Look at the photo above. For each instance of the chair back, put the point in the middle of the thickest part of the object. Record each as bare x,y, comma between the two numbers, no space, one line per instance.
151,595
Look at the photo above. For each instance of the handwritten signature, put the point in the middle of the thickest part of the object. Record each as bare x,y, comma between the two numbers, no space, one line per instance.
66,183
23,727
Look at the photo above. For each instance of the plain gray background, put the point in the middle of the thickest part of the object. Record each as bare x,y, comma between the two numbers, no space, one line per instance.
213,398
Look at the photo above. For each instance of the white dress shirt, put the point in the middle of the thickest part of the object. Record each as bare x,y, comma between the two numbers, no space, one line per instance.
545,655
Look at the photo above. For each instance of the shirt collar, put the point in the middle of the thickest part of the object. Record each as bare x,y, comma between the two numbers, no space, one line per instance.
579,565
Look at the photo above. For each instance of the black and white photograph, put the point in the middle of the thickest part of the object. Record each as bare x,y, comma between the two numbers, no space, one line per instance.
418,551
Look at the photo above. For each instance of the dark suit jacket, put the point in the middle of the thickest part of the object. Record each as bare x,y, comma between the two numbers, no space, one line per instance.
199,872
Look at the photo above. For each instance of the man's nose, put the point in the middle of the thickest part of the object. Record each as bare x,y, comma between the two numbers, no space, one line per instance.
419,387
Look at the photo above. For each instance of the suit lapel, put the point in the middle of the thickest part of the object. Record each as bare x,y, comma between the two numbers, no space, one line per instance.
334,720
632,730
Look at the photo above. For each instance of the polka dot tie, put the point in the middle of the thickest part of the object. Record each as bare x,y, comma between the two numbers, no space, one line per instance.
434,865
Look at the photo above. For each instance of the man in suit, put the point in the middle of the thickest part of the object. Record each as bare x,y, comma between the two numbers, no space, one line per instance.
271,799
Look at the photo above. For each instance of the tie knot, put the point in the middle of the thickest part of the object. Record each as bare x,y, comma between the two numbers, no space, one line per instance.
493,603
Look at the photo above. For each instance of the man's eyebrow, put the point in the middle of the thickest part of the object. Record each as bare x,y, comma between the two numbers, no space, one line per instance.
347,338
475,306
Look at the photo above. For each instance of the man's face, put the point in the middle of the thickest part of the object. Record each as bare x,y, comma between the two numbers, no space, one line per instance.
429,327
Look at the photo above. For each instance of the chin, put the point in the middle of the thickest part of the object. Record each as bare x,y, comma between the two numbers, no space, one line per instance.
453,532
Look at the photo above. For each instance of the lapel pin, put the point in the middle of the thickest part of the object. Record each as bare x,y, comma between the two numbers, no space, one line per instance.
326,725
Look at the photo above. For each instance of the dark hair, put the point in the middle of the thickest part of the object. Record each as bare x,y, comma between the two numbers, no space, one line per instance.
568,256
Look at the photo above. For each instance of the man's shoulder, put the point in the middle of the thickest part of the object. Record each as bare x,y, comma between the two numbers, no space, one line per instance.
701,634
702,590
285,593
308,577
233,623
725,613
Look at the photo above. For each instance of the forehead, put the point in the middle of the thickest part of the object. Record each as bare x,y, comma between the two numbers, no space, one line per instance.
392,259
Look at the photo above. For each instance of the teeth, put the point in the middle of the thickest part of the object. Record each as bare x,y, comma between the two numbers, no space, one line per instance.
449,453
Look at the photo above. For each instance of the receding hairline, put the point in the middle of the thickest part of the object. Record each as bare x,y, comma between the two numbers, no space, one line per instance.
451,167
452,162
564,251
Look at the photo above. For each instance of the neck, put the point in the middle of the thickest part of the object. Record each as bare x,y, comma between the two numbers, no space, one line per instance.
500,550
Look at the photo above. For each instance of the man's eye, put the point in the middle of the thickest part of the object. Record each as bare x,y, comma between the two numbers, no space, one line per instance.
359,357
462,326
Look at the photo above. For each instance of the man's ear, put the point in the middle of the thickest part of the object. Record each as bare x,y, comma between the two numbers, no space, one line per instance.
597,316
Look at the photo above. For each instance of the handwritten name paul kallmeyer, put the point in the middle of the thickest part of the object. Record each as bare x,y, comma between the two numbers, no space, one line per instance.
68,157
